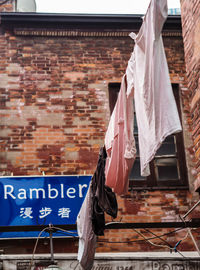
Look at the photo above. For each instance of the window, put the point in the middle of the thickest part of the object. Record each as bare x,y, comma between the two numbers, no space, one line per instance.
168,168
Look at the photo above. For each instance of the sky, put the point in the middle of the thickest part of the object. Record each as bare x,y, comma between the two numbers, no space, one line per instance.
98,7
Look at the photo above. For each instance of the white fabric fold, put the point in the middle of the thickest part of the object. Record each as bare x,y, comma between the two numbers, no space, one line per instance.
155,107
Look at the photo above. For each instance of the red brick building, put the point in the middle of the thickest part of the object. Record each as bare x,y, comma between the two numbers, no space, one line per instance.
56,74
191,37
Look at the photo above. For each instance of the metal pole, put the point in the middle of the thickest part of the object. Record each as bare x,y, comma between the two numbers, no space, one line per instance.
194,241
189,230
193,207
51,245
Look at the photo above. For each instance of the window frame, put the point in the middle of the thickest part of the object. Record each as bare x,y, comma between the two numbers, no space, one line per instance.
151,182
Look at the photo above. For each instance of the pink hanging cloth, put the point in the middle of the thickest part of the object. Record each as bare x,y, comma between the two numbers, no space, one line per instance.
120,143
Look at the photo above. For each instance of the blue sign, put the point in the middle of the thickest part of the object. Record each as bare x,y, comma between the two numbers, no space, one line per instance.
40,200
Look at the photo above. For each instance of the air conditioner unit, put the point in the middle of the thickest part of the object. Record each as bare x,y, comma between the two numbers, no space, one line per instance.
26,6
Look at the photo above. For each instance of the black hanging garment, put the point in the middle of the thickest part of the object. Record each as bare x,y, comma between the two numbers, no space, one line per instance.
103,199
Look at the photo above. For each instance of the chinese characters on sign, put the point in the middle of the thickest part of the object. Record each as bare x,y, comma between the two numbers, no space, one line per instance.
40,200
45,211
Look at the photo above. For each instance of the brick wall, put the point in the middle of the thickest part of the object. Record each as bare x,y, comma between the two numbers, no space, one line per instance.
157,206
190,11
54,102
54,114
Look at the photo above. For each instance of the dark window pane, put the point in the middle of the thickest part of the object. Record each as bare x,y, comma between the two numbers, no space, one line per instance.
135,172
113,94
168,147
135,125
167,169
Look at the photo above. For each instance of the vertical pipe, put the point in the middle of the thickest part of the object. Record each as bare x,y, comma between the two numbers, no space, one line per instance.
51,245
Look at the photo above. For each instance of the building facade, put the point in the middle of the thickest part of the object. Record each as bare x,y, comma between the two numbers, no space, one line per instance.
191,37
57,74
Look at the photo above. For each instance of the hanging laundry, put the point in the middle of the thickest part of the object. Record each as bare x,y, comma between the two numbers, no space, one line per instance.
91,217
148,82
87,238
156,111
103,200
120,143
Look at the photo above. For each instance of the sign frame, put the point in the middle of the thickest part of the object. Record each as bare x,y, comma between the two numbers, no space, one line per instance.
31,203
